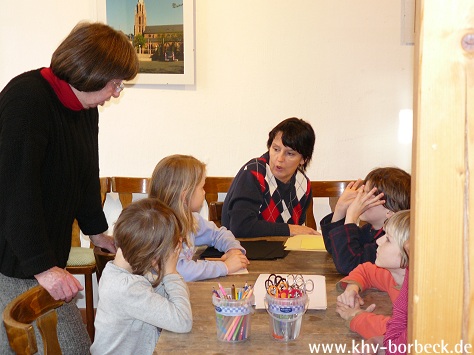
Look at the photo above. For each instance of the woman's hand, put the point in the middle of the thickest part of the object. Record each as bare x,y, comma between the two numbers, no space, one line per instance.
104,241
60,284
350,296
296,229
344,201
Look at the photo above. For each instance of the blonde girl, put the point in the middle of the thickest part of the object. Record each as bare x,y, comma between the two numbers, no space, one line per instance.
178,181
386,274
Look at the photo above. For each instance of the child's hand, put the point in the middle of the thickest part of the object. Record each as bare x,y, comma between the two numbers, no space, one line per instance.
350,296
362,202
231,252
235,262
348,313
170,264
345,200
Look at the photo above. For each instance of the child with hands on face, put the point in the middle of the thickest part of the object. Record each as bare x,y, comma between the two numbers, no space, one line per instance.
383,192
178,181
386,274
140,291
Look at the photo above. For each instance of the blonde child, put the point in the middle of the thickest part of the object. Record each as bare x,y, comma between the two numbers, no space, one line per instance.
386,274
178,181
383,192
396,337
140,292
394,341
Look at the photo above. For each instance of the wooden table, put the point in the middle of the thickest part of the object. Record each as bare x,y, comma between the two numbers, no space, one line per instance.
318,327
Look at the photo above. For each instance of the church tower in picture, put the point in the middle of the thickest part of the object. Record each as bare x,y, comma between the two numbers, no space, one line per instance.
154,42
140,18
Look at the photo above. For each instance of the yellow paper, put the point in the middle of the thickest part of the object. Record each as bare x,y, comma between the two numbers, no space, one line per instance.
293,243
313,243
305,242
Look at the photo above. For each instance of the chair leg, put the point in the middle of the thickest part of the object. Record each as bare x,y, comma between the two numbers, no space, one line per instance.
89,305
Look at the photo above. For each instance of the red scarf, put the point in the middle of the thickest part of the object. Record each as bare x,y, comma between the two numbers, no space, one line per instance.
62,90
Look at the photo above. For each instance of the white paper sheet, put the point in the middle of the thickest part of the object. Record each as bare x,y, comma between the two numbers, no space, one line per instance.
240,272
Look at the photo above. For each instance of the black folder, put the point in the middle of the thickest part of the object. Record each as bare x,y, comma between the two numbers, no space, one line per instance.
256,250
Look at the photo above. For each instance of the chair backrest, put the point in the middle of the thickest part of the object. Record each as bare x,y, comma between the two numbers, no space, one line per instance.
125,187
105,188
330,189
34,304
213,186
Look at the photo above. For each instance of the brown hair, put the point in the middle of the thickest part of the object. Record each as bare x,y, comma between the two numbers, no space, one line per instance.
92,55
394,183
296,134
147,231
173,181
398,226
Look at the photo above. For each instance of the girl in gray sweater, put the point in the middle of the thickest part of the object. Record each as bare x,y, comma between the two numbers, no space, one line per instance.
140,292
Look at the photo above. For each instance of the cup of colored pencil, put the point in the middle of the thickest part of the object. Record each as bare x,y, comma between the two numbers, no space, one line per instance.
234,307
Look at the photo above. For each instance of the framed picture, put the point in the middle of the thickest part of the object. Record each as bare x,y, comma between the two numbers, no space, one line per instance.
161,31
408,22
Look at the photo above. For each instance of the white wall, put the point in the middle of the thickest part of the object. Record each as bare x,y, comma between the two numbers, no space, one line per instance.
338,64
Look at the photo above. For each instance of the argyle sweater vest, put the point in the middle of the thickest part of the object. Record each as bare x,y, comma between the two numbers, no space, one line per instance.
282,202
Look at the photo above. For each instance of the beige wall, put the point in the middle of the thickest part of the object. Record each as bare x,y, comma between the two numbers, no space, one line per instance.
339,64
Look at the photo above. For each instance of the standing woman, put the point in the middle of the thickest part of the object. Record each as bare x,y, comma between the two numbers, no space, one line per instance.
49,169
270,195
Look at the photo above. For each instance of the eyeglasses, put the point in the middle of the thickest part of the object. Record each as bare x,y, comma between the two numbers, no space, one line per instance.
118,86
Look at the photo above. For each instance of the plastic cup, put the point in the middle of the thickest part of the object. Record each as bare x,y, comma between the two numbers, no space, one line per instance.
233,317
286,315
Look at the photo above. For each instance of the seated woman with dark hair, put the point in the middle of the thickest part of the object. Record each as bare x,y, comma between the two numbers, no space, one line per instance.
270,195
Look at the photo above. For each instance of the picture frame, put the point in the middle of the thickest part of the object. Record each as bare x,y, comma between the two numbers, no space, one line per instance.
408,15
182,63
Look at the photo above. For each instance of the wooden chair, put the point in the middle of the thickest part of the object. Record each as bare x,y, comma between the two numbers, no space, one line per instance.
330,189
213,186
82,262
125,187
18,316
